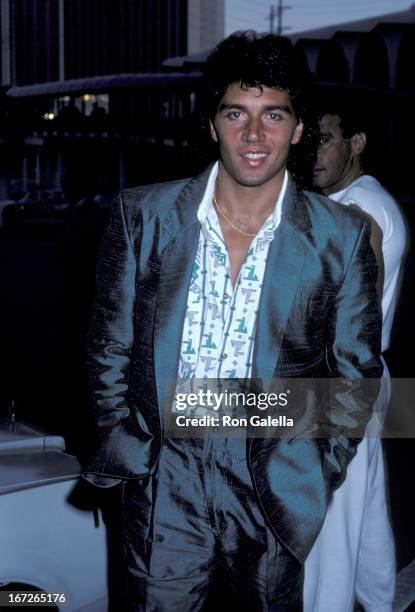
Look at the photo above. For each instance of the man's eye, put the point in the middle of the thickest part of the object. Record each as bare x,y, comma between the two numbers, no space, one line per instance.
275,116
233,115
323,139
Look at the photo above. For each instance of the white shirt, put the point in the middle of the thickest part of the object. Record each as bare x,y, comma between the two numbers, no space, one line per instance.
372,198
354,552
220,321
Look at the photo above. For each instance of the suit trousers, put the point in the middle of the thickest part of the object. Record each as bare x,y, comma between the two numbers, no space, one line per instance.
195,538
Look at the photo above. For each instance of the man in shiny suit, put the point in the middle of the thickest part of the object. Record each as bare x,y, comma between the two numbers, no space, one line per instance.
236,273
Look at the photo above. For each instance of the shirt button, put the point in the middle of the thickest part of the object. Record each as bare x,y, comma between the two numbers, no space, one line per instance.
224,355
226,296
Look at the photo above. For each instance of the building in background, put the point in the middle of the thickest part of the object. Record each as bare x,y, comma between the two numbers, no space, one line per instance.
50,40
206,24
56,43
358,25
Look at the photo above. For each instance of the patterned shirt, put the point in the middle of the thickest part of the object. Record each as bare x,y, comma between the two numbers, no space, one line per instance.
220,321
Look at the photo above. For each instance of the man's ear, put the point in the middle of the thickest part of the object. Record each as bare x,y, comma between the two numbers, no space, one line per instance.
358,142
298,132
213,132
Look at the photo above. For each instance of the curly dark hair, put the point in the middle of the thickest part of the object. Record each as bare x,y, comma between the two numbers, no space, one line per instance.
261,60
253,60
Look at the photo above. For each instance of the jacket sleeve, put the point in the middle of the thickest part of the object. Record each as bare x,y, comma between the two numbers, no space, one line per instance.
124,450
353,358
296,477
111,334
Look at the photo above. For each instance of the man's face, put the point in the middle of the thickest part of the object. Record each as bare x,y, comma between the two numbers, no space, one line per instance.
334,163
255,129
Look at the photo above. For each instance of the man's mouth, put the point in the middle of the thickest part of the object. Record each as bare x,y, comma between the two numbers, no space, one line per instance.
254,158
317,171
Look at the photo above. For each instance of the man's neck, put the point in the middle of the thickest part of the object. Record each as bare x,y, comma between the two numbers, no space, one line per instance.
255,203
356,172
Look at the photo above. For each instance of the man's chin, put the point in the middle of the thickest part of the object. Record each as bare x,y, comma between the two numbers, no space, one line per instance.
318,184
255,179
251,182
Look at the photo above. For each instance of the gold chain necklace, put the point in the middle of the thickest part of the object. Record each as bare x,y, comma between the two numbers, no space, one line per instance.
229,221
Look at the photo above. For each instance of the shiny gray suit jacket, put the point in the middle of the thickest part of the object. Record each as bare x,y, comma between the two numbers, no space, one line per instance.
318,316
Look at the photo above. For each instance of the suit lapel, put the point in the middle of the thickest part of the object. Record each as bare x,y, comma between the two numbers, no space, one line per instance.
176,266
282,277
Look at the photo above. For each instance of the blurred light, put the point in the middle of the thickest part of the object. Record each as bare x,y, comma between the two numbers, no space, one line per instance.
48,116
86,97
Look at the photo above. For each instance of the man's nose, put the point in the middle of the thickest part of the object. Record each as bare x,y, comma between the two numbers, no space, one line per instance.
254,130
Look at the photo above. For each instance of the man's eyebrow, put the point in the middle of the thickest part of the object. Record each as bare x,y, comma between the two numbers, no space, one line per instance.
269,107
228,106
